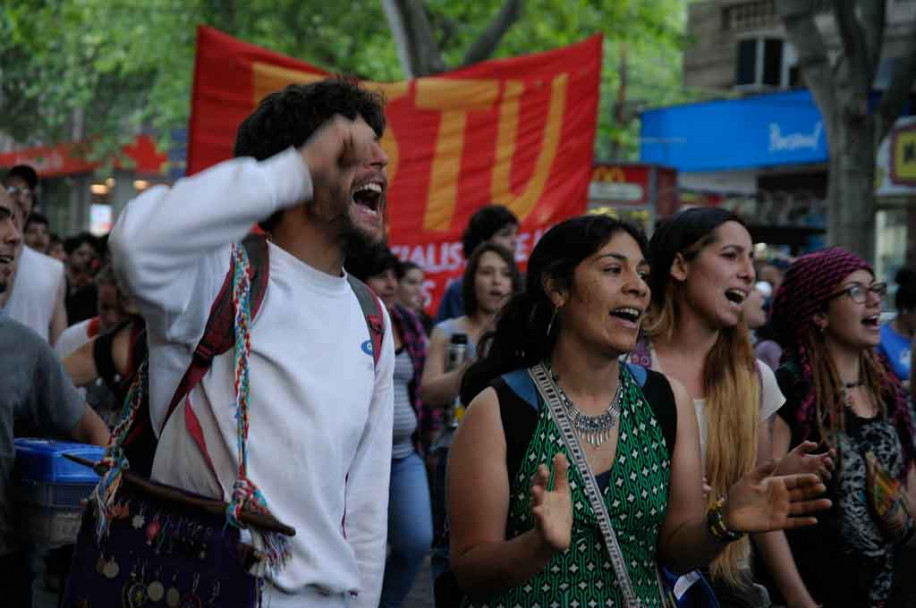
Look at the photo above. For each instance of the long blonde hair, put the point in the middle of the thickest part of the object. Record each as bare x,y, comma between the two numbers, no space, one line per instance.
732,392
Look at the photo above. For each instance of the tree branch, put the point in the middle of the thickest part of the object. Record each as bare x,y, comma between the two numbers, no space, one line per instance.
853,39
424,50
486,44
895,97
798,18
874,13
417,47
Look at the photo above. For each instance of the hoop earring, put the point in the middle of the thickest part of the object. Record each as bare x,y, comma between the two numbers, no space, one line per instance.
552,319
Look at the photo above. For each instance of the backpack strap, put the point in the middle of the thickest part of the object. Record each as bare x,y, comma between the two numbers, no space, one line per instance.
218,336
640,373
519,404
523,386
372,311
657,391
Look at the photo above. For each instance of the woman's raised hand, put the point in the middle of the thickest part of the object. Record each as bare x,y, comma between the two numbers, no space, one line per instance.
552,509
760,502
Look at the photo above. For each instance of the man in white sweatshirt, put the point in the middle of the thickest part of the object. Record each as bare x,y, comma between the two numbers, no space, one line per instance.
310,168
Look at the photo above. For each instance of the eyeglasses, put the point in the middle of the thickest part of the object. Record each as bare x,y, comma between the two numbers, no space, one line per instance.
19,191
857,293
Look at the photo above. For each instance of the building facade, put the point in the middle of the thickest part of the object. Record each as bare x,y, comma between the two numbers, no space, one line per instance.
762,148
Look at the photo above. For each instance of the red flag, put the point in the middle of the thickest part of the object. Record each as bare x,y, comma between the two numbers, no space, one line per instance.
518,132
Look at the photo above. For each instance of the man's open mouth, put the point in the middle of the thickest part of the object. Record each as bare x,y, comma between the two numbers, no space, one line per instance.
368,195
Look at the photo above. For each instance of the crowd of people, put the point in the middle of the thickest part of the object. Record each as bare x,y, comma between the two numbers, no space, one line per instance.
627,423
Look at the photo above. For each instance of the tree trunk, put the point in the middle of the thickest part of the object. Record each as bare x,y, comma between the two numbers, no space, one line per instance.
620,108
418,51
851,219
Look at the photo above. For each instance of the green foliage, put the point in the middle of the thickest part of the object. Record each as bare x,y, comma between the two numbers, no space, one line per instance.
116,66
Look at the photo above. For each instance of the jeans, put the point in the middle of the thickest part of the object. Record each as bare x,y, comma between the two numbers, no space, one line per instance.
410,528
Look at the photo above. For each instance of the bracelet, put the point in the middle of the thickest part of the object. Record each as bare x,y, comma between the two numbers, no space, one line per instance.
715,523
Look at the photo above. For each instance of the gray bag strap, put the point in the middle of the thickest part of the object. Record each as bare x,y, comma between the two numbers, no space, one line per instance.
550,393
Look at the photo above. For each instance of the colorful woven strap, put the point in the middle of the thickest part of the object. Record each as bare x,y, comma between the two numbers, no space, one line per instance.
244,492
275,552
114,458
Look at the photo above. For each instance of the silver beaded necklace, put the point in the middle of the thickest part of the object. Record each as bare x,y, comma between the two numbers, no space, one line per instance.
594,430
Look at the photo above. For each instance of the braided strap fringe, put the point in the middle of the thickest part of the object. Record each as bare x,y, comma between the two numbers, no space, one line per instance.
244,493
104,494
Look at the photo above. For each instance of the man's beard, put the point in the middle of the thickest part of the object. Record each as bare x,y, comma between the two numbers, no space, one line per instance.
356,242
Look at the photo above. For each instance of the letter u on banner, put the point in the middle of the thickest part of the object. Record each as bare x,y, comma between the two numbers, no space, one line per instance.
455,98
501,188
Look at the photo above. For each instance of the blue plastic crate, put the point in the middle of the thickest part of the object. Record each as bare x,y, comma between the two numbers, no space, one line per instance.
42,460
53,494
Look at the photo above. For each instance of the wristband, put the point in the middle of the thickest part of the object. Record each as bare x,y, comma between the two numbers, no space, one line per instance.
715,523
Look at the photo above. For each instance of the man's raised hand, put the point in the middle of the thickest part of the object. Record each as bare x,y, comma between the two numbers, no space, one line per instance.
333,154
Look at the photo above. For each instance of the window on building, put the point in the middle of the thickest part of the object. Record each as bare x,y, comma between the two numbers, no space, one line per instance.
747,62
764,63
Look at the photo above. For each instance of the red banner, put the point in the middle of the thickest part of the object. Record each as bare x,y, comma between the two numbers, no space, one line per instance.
518,132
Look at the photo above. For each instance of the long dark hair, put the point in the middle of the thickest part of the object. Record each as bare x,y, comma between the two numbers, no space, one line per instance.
521,338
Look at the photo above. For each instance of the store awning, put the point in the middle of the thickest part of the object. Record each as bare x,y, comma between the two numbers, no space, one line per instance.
762,131
69,159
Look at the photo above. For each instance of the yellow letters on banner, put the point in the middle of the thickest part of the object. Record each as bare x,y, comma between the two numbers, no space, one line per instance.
455,98
507,139
269,78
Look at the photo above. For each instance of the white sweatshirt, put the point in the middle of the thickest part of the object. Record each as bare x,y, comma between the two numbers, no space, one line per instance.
320,414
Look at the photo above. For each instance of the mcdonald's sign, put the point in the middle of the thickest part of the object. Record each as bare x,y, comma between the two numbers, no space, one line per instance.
518,132
649,189
619,184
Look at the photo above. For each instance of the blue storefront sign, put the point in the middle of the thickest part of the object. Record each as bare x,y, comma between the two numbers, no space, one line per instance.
766,130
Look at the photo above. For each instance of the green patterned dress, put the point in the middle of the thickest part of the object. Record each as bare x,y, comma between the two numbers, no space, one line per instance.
636,499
